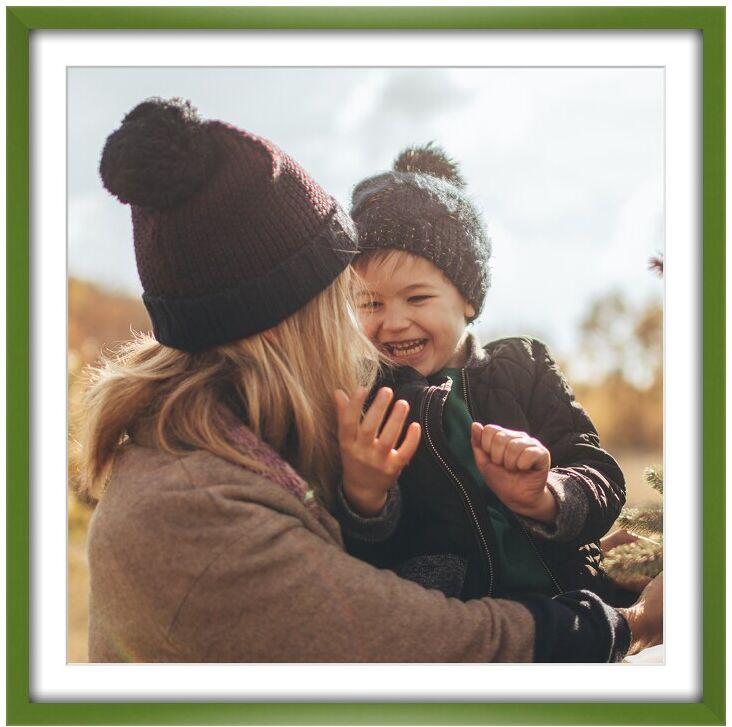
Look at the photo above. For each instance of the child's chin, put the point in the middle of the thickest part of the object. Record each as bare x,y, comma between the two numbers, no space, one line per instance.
423,367
415,363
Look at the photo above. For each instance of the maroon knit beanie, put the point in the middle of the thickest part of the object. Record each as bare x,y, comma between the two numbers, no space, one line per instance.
231,235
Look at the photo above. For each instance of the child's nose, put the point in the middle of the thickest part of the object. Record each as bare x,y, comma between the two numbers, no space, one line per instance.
395,320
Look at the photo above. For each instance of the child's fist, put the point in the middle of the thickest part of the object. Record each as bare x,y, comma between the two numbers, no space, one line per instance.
515,466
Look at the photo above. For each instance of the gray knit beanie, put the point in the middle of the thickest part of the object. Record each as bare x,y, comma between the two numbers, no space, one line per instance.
421,207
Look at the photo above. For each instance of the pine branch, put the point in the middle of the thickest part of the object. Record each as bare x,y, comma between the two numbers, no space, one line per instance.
646,521
654,477
642,558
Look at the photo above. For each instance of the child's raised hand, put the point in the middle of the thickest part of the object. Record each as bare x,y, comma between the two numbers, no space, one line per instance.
515,466
371,464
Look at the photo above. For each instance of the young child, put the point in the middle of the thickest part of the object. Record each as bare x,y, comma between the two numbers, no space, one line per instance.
509,490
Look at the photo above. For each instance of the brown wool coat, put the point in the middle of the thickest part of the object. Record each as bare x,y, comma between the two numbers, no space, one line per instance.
194,559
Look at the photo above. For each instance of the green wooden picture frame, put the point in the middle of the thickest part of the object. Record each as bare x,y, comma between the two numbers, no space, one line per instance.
22,21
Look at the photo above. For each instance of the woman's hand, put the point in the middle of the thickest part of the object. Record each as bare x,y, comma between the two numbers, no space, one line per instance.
371,464
645,617
515,466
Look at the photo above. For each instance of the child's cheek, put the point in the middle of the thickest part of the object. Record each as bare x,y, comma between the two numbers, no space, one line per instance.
368,327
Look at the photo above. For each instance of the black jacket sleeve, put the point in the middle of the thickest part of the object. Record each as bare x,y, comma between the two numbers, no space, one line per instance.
577,627
565,429
374,529
580,467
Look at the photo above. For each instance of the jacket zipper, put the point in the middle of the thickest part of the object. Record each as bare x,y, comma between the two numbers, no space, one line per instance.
466,391
456,480
541,558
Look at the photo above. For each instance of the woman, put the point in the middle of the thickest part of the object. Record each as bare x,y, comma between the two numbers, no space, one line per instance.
213,448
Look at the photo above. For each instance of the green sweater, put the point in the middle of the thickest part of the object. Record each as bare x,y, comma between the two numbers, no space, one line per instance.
518,567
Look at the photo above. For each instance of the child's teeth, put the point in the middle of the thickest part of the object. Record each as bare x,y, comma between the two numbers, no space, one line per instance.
406,349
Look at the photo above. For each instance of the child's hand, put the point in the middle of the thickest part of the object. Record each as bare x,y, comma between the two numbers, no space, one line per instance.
371,465
515,466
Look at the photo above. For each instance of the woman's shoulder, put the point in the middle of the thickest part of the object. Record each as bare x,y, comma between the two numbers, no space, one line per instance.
173,504
151,486
170,525
139,465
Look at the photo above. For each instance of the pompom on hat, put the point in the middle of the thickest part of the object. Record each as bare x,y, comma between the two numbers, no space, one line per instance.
231,235
420,206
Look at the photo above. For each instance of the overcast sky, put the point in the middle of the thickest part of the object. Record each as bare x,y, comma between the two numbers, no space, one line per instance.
565,164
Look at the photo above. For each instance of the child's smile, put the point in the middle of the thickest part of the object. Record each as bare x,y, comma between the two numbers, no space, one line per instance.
413,313
405,350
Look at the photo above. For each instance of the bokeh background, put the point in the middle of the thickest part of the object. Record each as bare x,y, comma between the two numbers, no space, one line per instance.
566,165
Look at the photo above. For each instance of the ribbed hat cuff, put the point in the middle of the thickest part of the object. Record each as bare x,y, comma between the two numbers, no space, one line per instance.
201,323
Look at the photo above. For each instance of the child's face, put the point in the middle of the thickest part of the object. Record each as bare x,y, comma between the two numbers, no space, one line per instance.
413,313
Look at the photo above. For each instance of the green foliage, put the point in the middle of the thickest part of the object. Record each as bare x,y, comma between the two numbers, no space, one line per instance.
654,477
646,521
644,557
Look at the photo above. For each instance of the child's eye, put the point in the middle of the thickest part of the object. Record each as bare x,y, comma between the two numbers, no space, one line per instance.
369,305
419,298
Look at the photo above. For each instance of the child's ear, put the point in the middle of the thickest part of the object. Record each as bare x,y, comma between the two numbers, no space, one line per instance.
469,311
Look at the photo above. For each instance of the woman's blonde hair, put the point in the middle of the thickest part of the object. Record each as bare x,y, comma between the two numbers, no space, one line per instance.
280,381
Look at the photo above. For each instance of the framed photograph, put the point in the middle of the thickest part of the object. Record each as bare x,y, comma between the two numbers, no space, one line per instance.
591,141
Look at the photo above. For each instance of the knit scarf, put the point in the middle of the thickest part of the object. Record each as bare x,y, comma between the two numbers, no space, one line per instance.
277,469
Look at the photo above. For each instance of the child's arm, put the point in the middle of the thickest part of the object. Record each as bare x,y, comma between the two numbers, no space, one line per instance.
371,461
516,467
367,537
369,504
584,479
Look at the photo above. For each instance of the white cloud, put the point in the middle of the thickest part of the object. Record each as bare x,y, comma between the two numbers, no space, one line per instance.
100,242
361,102
566,164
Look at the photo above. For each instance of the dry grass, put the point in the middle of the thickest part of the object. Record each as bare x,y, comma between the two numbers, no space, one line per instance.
78,581
78,612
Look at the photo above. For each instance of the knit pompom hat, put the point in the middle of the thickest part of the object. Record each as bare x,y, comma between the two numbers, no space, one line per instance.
421,207
231,235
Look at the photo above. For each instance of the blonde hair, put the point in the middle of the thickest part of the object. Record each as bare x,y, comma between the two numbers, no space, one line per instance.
281,381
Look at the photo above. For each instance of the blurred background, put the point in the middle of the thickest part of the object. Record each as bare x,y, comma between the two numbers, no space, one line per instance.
566,165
